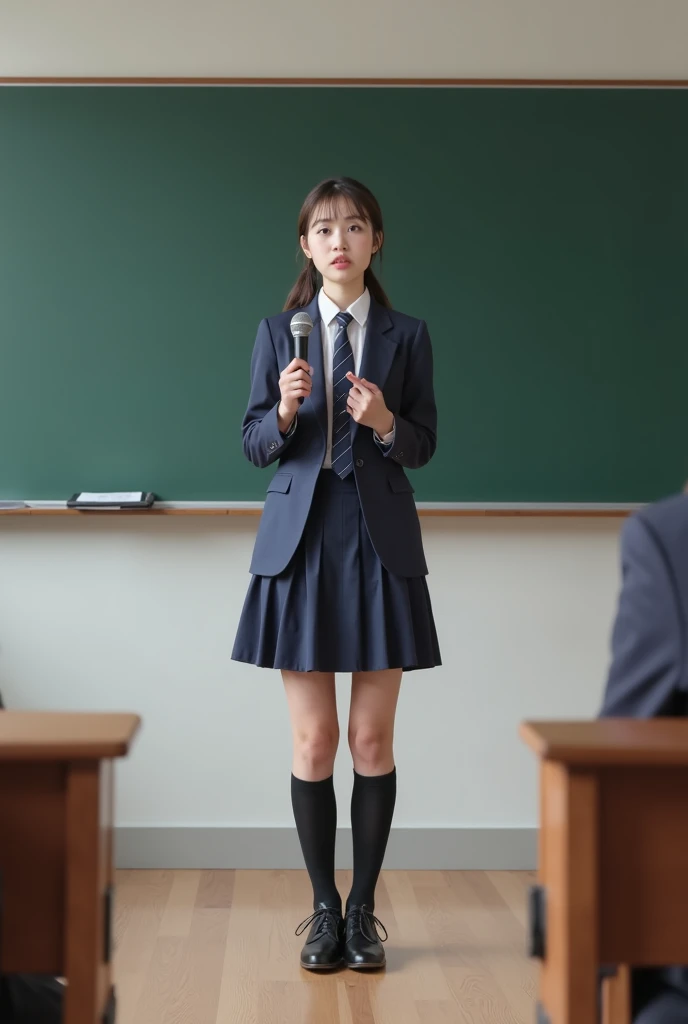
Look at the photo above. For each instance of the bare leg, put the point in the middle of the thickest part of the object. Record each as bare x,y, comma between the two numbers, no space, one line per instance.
374,698
312,701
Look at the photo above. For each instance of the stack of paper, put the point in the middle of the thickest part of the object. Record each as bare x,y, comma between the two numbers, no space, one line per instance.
109,497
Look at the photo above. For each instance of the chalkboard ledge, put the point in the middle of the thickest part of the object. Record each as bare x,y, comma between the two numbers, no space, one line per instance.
425,509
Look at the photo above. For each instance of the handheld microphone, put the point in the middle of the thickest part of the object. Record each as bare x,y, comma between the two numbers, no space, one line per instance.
301,326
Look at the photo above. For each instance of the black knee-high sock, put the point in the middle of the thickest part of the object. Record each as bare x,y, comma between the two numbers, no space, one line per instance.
315,813
372,810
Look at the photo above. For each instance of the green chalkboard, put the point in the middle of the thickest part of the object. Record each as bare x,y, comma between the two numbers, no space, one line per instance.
541,232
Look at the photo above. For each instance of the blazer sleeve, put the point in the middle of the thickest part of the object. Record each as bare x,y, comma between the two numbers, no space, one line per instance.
415,426
644,677
263,443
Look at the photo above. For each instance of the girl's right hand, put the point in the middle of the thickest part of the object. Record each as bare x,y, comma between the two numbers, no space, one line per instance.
295,382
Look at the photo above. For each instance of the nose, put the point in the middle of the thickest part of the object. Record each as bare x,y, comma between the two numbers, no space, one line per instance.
338,241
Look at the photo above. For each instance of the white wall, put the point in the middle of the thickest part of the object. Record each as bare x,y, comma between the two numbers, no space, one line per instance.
140,615
453,38
130,615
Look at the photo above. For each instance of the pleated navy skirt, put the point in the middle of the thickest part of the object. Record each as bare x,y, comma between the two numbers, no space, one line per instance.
335,608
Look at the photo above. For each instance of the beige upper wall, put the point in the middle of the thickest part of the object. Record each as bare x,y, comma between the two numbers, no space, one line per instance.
436,38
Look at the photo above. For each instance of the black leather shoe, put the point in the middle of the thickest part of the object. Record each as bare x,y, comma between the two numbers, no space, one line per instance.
363,948
324,945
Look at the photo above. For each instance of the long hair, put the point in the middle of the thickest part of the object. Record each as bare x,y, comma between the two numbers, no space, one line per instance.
366,206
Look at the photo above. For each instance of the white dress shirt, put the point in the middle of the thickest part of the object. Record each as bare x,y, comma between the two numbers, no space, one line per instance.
329,330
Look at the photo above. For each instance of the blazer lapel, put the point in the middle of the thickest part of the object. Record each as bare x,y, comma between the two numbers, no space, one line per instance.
378,351
318,398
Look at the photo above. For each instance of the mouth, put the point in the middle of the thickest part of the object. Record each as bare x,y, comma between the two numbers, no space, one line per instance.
341,262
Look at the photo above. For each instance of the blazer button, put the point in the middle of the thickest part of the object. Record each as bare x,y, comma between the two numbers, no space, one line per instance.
359,463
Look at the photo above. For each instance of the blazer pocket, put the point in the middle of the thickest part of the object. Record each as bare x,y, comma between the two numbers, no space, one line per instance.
401,485
281,482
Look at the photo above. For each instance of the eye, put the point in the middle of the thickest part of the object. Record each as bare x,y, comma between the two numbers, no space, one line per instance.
355,227
322,230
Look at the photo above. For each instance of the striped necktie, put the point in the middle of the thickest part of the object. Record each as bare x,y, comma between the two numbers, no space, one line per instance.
342,363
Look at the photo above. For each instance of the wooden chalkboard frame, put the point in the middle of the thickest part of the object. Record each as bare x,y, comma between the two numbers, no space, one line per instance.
229,510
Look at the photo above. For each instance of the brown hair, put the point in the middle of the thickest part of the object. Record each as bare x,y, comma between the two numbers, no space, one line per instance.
362,200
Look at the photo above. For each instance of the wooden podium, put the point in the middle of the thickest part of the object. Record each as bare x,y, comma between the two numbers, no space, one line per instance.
56,872
613,860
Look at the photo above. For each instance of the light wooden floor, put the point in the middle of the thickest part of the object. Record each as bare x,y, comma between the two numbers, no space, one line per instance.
218,947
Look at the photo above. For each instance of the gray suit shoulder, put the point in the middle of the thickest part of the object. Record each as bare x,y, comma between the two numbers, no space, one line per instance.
667,518
665,526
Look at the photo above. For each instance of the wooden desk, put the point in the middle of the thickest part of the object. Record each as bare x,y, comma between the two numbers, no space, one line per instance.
56,814
613,850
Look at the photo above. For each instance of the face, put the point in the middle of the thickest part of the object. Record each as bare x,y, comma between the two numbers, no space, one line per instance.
340,243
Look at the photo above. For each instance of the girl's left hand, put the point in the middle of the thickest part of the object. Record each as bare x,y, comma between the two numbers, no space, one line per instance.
366,404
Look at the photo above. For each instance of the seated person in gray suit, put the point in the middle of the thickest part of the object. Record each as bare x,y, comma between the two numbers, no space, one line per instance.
649,678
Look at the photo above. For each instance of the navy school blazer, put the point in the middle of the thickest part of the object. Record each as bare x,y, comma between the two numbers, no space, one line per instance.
397,356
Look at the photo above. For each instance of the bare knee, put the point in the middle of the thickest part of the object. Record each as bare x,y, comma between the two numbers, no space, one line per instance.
315,748
371,749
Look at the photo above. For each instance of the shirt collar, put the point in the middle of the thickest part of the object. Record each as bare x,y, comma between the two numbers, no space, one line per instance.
358,309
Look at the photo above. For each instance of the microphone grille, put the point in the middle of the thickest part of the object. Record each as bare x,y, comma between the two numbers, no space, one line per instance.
301,325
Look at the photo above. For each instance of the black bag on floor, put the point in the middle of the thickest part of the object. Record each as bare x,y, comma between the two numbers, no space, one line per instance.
30,999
